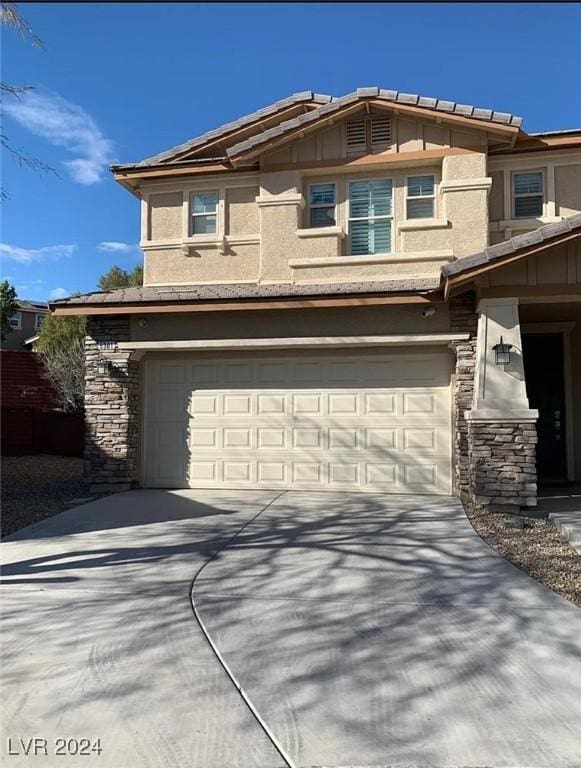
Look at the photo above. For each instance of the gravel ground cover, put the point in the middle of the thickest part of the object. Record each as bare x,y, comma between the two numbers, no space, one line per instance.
35,487
539,549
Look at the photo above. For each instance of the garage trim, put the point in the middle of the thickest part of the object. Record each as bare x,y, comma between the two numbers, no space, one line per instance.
293,342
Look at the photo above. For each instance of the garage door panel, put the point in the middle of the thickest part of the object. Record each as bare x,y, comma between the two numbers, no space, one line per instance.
360,422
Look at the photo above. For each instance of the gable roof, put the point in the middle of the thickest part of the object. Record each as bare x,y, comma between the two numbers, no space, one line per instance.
304,97
516,247
323,106
361,94
32,306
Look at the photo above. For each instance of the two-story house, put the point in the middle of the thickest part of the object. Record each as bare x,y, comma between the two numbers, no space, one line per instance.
25,324
378,292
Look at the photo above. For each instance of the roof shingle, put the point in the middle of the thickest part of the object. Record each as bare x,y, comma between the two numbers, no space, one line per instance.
241,291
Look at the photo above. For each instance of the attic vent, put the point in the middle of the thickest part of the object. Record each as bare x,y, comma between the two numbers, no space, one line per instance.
380,131
355,134
368,133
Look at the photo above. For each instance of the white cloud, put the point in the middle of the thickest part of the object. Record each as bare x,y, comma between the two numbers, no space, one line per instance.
29,255
59,293
112,246
64,125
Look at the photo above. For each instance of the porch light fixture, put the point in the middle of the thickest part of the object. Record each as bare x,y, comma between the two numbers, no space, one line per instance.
502,352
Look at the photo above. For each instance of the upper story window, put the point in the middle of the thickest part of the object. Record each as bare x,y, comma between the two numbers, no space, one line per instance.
38,321
16,321
367,134
204,210
528,195
420,201
322,201
370,216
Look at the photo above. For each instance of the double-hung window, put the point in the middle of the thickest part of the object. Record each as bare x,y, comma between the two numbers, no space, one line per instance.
322,201
204,210
38,321
16,321
528,195
370,216
421,197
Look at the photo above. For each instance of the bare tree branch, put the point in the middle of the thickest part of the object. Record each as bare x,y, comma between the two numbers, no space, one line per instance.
14,90
25,160
10,16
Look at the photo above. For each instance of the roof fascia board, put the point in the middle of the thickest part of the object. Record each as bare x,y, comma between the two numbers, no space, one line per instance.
228,306
448,117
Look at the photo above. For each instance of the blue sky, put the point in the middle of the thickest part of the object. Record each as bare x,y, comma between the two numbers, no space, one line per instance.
120,82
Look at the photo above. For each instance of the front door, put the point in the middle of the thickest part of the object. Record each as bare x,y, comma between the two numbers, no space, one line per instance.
545,381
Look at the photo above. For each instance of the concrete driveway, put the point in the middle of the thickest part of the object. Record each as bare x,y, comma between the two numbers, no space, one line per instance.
366,631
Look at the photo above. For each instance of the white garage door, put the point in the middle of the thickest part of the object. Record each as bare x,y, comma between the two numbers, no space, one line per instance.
376,422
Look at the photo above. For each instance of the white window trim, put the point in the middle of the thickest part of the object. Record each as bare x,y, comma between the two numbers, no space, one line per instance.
321,205
514,195
37,325
217,214
18,316
434,197
350,219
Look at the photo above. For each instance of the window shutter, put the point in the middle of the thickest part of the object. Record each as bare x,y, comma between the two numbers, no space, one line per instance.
355,134
380,131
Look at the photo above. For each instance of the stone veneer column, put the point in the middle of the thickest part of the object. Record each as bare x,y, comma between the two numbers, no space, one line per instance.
463,319
502,432
111,405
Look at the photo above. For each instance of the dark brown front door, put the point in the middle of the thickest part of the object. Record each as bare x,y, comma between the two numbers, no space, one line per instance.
545,380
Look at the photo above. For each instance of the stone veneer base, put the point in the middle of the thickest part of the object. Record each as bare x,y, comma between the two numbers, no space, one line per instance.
503,463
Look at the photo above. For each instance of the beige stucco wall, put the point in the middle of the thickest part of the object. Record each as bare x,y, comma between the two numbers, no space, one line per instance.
165,215
242,216
568,189
349,321
274,211
204,264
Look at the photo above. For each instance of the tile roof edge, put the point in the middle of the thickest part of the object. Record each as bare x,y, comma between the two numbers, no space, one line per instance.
493,253
301,97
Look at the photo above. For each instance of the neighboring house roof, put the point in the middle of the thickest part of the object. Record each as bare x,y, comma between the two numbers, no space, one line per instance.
326,105
549,234
32,306
241,291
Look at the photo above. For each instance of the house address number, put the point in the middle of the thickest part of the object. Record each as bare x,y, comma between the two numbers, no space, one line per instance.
107,345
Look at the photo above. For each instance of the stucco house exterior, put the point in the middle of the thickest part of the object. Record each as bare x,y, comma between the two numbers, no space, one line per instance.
327,286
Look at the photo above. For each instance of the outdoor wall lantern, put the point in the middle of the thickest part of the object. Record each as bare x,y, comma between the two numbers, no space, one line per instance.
502,352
